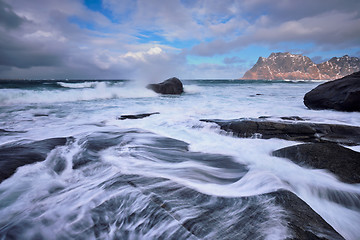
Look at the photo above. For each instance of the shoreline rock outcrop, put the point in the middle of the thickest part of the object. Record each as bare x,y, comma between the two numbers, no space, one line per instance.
169,86
341,94
341,161
290,130
13,156
136,116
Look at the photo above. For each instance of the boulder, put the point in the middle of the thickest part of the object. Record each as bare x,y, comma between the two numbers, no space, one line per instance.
341,161
342,94
169,86
293,131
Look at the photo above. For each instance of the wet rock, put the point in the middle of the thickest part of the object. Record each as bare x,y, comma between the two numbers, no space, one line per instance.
170,86
136,116
293,131
341,161
303,222
293,118
4,132
133,206
41,115
254,95
213,217
341,94
17,155
289,118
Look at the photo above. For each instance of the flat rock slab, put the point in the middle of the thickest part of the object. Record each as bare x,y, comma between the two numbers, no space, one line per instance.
342,94
292,131
16,155
136,116
341,161
150,207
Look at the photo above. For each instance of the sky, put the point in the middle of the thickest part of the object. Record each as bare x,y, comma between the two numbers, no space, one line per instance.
154,40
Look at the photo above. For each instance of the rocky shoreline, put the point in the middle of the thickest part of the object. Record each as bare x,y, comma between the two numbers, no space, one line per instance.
290,130
163,199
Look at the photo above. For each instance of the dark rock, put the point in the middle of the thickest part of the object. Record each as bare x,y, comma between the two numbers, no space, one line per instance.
41,115
170,86
341,94
341,161
212,217
293,131
254,95
142,205
290,118
7,132
14,156
303,222
293,118
136,116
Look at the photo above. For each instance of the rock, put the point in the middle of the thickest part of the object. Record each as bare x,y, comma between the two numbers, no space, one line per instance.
293,131
8,132
289,118
341,161
136,206
41,115
212,217
170,86
136,116
293,118
341,94
14,156
296,66
302,220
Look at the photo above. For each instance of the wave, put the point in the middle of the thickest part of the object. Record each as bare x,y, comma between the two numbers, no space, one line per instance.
76,92
78,85
304,81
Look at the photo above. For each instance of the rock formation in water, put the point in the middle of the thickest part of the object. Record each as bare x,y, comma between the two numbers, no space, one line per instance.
136,116
14,156
290,130
159,208
170,86
341,94
341,161
296,66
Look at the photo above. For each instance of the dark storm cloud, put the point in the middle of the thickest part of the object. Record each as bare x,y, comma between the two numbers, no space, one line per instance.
21,54
329,25
67,39
8,18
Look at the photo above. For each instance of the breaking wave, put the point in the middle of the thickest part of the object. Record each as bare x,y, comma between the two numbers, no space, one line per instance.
75,92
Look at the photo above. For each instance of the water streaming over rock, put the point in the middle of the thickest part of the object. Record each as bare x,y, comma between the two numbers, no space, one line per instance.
79,172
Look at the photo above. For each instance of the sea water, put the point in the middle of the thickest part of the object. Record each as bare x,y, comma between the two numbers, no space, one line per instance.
39,200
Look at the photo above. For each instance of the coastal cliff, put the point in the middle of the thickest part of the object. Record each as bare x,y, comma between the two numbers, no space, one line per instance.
296,66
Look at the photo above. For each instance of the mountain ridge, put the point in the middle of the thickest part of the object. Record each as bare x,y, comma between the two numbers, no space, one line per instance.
285,65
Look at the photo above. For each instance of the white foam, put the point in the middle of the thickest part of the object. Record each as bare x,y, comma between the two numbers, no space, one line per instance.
75,93
78,112
78,85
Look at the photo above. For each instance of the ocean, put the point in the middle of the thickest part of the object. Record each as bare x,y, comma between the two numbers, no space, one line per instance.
99,177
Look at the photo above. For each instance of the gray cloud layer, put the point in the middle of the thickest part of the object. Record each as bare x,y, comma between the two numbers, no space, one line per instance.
65,39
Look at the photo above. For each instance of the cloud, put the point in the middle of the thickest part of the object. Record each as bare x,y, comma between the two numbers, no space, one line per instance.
331,30
232,60
150,39
8,18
